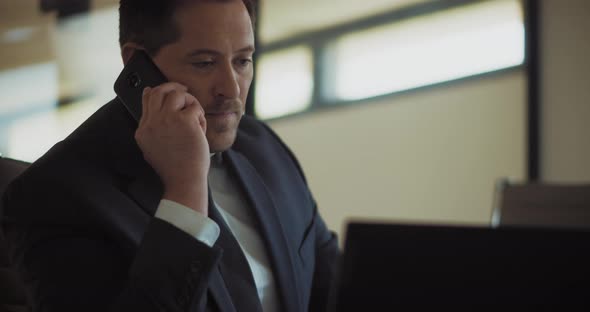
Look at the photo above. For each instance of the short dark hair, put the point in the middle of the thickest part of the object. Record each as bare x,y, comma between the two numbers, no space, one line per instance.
150,23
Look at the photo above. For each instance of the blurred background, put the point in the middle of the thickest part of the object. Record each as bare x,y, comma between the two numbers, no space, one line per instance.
399,110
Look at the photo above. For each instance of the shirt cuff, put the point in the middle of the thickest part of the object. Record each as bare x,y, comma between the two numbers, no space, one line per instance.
192,222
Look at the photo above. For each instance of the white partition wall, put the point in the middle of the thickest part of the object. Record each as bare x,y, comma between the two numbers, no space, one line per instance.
425,156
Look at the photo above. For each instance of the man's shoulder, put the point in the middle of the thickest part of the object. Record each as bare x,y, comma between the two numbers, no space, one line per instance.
250,125
78,168
100,139
254,132
110,122
263,147
256,140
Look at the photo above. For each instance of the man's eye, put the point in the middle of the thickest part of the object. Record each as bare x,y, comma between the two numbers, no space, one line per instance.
244,62
203,64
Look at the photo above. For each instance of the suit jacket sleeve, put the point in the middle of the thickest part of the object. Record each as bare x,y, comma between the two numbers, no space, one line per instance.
75,266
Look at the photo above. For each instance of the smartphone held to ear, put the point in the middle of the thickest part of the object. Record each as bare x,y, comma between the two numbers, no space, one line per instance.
139,72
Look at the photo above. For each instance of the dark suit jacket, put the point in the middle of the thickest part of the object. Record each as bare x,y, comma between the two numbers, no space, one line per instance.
12,295
80,221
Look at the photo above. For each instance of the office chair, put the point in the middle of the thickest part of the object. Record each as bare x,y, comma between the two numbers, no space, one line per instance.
542,204
13,297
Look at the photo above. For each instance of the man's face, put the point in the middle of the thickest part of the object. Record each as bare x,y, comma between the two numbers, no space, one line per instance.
213,58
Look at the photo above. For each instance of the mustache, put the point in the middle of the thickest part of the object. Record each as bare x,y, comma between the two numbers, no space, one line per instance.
221,106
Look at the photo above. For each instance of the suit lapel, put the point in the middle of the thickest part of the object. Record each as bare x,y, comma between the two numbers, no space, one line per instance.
271,230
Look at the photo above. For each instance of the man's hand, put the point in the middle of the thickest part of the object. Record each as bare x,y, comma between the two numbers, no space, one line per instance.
171,135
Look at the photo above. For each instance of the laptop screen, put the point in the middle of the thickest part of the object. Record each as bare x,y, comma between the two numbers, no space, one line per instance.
393,265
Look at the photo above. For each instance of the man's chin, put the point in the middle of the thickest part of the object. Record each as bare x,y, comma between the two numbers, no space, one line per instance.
220,142
221,134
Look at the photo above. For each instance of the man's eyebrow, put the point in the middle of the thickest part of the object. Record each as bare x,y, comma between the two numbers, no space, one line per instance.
202,51
249,48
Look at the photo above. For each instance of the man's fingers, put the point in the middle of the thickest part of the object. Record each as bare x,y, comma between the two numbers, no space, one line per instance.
194,109
172,98
203,122
174,101
192,101
159,93
145,108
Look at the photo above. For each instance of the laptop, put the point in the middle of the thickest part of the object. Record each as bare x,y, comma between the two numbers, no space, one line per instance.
388,266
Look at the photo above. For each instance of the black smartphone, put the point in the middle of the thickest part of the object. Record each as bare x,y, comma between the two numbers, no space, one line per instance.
140,72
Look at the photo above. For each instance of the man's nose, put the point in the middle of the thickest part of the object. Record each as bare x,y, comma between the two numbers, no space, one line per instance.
226,83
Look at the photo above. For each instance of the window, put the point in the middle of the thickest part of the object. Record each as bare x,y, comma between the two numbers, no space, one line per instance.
285,80
426,50
412,47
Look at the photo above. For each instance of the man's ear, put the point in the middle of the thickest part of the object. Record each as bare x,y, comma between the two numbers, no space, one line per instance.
127,51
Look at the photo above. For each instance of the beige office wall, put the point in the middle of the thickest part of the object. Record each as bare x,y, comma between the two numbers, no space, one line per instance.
565,90
428,156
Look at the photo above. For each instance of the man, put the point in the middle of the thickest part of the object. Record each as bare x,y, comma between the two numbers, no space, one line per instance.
197,208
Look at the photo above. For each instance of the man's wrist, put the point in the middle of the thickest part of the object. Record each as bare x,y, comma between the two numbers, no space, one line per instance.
191,222
193,196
